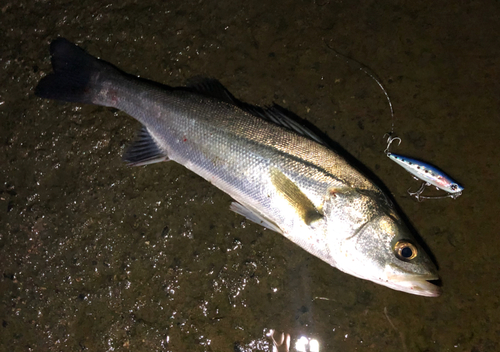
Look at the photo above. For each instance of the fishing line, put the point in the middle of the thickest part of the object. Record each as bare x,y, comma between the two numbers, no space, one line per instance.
369,72
419,169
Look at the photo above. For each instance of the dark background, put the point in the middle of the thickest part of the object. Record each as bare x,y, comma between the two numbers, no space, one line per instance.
98,256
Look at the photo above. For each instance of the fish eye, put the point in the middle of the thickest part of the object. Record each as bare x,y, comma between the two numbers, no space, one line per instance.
405,250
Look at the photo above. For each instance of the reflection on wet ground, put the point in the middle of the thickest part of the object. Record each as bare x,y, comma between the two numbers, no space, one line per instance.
301,344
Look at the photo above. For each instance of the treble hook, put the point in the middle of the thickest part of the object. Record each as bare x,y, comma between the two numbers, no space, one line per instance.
390,139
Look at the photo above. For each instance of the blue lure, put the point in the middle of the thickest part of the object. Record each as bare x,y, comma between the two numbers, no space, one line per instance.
430,175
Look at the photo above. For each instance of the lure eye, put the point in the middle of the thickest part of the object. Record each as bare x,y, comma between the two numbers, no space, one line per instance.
405,250
454,187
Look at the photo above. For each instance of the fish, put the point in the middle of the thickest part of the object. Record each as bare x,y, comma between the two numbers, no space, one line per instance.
429,174
280,174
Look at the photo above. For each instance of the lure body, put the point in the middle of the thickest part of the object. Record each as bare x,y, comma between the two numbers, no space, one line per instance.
425,172
428,173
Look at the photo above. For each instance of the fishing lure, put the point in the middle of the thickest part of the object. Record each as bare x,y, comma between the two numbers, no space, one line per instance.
430,175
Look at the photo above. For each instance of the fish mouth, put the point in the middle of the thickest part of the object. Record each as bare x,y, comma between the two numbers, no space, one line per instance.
420,285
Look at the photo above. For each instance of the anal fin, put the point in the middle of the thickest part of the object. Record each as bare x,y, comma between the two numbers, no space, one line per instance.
144,150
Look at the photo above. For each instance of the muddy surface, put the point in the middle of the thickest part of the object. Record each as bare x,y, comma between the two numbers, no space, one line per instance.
98,256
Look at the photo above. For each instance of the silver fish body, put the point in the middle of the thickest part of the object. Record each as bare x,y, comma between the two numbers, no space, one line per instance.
279,177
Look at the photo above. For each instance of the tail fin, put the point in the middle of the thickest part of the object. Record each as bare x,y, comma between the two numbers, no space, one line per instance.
76,74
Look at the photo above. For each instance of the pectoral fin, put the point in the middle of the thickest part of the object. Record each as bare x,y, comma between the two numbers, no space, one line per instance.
295,197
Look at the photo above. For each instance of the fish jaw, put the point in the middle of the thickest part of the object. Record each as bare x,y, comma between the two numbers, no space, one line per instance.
415,284
379,247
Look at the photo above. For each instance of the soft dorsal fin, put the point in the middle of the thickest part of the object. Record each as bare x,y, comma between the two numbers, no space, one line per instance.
210,87
276,114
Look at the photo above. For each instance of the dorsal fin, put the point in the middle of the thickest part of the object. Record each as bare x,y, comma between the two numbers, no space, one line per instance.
210,87
276,114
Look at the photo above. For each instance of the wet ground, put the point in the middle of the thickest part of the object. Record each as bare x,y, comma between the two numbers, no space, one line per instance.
98,256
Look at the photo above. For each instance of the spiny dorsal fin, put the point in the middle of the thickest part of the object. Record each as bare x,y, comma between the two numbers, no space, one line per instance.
276,114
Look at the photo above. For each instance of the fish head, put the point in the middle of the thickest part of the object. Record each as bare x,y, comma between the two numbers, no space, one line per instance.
379,247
